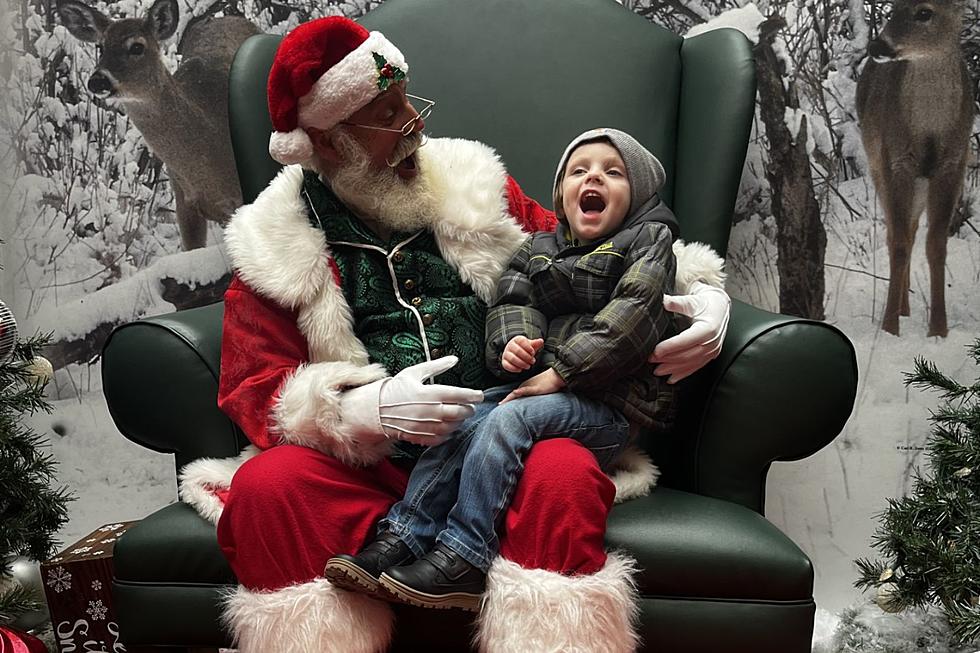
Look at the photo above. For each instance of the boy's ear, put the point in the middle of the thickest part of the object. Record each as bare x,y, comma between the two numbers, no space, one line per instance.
323,145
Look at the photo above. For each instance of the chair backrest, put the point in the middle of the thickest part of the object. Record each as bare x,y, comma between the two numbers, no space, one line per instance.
526,77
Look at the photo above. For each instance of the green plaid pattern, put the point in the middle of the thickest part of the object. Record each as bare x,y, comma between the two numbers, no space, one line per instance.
599,308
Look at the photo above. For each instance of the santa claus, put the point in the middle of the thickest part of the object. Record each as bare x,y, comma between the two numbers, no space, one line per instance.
361,272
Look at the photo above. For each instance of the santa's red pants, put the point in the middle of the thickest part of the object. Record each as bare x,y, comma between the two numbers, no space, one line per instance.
291,508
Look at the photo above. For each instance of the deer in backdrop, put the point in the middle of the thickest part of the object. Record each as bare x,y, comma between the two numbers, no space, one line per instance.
915,107
184,116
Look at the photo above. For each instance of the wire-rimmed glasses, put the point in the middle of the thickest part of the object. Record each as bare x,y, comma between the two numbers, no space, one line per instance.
408,127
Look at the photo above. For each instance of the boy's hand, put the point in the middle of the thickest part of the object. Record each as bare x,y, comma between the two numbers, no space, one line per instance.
519,354
545,383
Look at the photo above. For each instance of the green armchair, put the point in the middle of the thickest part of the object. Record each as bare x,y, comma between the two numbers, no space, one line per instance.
525,77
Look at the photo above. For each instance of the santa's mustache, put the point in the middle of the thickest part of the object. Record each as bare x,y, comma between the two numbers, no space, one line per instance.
406,147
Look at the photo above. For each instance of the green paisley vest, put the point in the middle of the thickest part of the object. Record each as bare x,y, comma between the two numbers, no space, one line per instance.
403,296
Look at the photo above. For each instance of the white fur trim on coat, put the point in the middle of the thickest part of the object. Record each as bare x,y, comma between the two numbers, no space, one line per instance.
697,262
634,474
201,480
474,230
548,612
348,85
274,248
308,411
313,617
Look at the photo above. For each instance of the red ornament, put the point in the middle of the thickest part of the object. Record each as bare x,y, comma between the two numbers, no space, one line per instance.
15,641
386,71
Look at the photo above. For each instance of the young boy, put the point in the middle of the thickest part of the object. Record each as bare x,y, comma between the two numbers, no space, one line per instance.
583,308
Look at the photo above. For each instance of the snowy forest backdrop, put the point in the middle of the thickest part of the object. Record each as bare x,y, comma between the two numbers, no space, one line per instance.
91,241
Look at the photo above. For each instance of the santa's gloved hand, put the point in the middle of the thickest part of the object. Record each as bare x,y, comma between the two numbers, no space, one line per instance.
709,309
404,408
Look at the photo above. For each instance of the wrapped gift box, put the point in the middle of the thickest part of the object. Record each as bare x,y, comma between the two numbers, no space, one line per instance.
78,589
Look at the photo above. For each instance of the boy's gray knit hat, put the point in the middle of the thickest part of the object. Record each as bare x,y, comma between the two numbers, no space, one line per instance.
645,172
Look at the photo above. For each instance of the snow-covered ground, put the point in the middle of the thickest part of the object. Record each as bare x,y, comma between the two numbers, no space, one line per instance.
114,479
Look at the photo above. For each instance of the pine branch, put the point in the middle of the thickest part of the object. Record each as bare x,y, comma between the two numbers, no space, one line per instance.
16,601
928,376
32,508
930,539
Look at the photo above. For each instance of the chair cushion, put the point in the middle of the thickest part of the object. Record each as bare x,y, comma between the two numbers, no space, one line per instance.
690,546
687,546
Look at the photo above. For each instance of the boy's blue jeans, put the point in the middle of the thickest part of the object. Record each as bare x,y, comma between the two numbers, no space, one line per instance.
459,490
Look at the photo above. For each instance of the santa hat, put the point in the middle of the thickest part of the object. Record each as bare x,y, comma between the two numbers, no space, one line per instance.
324,71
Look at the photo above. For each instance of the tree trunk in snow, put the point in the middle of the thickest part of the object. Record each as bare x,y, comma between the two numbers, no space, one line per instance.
801,238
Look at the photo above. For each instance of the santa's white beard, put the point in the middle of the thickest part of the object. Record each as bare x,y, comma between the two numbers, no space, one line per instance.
381,196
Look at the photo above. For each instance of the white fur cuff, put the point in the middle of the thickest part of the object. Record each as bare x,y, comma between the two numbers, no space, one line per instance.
308,411
548,612
313,617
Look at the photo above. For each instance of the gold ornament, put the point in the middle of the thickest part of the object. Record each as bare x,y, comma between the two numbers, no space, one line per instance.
41,369
885,575
963,473
887,598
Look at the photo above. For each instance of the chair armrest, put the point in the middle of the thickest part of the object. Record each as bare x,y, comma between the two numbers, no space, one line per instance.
782,389
160,378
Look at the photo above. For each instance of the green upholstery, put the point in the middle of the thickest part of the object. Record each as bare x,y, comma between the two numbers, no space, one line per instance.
715,575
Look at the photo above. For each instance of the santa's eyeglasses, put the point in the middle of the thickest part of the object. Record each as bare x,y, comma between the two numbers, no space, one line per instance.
408,127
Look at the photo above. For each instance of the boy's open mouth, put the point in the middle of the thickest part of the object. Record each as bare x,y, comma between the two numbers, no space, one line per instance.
592,203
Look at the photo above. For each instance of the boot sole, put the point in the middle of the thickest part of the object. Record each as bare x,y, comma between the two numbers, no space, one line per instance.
350,577
405,594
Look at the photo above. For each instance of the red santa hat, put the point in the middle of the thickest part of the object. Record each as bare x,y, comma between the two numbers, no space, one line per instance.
324,71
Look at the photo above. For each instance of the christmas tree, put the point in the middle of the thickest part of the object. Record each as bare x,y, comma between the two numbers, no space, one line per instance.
31,510
930,539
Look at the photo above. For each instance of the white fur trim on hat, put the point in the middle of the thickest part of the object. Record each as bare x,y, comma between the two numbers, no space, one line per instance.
348,85
291,147
312,617
538,610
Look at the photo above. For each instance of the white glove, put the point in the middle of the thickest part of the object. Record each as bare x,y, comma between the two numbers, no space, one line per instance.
404,408
709,309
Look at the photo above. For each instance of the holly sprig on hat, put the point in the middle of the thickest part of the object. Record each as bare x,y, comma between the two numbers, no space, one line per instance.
387,73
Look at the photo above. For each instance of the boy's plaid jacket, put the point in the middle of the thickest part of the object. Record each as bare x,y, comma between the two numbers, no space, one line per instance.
599,308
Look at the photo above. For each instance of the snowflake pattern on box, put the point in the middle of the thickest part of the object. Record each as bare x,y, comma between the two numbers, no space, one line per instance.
59,579
96,585
110,527
82,549
97,610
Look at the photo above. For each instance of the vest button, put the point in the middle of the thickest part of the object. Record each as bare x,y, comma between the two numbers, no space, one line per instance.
398,257
409,284
428,319
416,301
